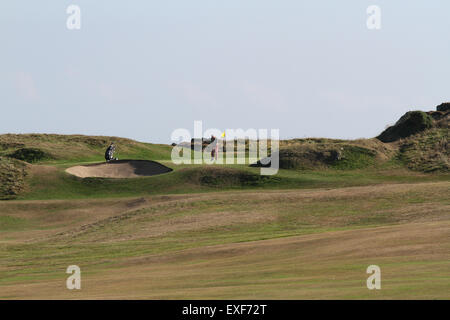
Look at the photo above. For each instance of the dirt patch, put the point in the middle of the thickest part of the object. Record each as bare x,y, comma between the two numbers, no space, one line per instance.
119,169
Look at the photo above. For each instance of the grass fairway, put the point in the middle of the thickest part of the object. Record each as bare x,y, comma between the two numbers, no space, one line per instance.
270,244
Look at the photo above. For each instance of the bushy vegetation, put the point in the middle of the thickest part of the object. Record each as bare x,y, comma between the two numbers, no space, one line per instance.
306,154
226,177
422,139
30,155
443,107
427,151
12,177
410,123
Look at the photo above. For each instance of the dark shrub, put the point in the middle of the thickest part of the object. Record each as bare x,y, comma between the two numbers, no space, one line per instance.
410,123
30,155
444,107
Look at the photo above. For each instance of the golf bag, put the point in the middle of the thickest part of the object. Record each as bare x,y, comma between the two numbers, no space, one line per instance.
109,154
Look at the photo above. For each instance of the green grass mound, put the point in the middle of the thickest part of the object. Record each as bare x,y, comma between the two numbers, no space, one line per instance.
30,155
354,157
12,177
339,156
409,124
310,154
225,177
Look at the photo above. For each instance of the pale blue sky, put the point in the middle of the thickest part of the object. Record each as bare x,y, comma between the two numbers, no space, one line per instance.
141,69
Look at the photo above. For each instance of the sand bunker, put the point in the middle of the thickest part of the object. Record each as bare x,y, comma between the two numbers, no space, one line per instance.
119,169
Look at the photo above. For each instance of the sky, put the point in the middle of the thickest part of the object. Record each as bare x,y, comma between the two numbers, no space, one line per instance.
141,69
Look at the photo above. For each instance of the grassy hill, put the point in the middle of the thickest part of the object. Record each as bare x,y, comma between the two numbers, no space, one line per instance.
224,231
331,153
418,140
29,160
58,149
33,166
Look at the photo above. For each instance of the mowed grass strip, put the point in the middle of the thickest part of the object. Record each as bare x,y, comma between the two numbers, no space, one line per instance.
413,257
